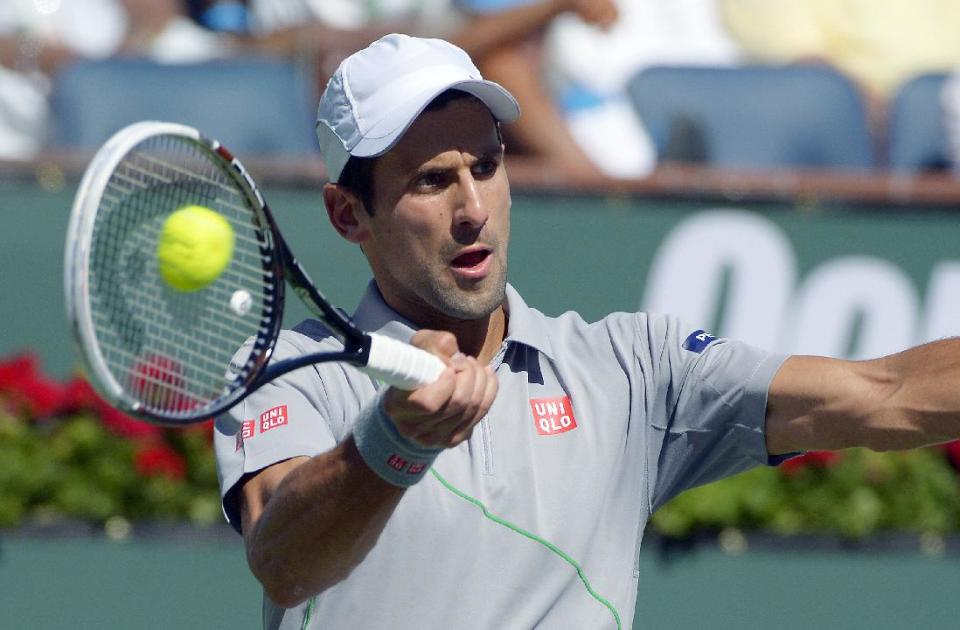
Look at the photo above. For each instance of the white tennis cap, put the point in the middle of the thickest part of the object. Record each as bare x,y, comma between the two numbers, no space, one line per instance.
377,93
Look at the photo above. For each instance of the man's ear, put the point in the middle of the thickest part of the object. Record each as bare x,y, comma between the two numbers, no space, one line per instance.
346,213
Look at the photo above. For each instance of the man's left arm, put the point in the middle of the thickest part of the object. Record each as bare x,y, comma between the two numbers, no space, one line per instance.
901,401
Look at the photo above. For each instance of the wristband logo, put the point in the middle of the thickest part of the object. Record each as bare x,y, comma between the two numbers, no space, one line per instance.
553,415
396,462
402,465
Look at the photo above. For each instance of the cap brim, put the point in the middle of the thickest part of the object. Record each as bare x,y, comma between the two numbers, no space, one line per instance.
381,137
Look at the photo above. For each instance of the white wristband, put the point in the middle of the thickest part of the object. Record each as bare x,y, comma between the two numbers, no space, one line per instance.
396,459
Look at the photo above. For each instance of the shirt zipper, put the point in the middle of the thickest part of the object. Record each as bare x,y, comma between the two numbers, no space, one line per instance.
485,438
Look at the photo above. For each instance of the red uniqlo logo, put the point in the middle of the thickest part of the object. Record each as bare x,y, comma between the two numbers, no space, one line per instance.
247,429
396,462
273,418
553,415
416,469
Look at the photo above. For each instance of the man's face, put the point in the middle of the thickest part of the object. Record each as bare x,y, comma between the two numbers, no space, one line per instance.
438,237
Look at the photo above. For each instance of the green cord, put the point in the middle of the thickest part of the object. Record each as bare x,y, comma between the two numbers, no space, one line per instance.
546,543
308,613
514,528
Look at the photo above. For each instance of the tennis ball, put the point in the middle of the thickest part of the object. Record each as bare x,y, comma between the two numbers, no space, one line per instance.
195,246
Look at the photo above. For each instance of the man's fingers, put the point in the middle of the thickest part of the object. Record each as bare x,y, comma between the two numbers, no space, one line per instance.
411,407
443,413
465,430
462,404
482,397
439,342
473,390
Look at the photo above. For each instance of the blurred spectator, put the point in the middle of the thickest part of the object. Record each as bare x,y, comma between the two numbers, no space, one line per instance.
497,34
35,37
589,68
513,57
329,30
162,30
880,45
222,16
433,17
39,36
950,103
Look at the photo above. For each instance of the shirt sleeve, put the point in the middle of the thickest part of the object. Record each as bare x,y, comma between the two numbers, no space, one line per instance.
710,399
286,418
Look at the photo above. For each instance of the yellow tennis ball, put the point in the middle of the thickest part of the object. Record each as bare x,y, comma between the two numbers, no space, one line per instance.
195,246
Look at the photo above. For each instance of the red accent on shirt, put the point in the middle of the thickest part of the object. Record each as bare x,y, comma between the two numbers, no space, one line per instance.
553,415
273,418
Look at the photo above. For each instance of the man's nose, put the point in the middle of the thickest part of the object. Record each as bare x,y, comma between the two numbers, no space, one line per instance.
470,210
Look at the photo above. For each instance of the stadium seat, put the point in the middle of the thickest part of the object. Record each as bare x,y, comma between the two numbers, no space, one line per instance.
253,105
917,137
754,116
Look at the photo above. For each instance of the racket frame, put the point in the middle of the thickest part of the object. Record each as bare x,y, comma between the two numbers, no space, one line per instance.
257,370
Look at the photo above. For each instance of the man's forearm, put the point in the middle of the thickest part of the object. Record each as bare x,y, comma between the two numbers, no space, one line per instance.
483,33
923,405
897,402
320,522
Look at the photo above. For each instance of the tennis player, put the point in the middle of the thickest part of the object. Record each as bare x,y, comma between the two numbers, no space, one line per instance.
512,492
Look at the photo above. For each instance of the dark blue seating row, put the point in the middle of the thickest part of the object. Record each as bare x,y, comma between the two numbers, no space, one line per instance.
794,116
742,117
254,106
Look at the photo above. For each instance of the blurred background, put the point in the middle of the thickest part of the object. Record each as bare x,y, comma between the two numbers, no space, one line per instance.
786,173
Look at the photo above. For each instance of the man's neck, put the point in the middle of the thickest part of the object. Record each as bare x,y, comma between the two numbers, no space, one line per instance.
481,338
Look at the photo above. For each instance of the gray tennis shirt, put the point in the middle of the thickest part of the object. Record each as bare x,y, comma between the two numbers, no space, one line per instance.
594,427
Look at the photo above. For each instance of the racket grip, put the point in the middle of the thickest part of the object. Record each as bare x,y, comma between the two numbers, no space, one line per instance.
401,365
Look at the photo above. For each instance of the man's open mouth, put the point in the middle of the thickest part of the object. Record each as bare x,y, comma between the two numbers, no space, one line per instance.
470,259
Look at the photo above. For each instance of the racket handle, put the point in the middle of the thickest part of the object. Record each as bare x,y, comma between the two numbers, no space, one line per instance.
401,365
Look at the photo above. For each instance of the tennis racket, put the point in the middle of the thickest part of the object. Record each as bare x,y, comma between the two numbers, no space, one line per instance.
174,357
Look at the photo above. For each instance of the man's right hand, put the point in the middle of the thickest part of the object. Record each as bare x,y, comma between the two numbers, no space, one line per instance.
443,413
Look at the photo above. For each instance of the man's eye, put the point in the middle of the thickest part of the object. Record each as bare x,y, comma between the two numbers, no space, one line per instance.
429,180
485,168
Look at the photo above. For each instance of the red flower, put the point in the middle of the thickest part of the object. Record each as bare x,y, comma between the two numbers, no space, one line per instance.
41,397
21,379
158,380
952,449
16,370
79,395
155,460
811,459
124,425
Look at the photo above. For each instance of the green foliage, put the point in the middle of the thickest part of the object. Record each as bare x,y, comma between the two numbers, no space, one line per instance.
67,456
854,493
75,468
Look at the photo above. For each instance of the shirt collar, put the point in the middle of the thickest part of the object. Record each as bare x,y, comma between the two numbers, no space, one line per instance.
524,325
374,315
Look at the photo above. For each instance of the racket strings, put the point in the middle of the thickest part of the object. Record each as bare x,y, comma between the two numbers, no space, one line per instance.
168,349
